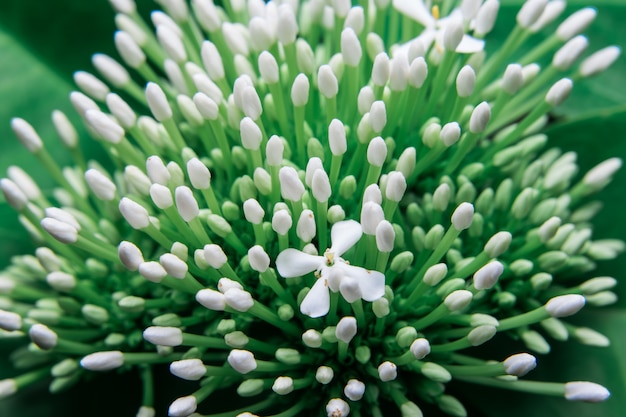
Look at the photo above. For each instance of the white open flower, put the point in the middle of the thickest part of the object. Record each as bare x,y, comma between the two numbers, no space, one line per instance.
330,269
434,27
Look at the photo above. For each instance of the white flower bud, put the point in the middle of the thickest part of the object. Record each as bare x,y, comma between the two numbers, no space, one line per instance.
186,203
121,110
128,49
350,47
337,137
152,271
418,71
377,152
10,321
225,284
287,26
163,336
337,408
385,236
311,338
378,116
242,361
458,300
435,274
189,369
487,276
559,92
61,281
274,151
111,70
262,34
174,266
24,182
530,12
346,329
104,126
211,299
365,99
258,258
157,101
585,391
480,117
183,406
268,67
576,23
380,70
26,134
486,18
324,375
238,299
453,34
123,6
565,305
251,135
371,215
81,103
327,81
283,385
420,348
450,134
599,61
300,91
130,255
13,194
291,188
43,337
465,81
65,129
354,390
387,371
552,10
396,186
399,72
565,57
207,15
498,244
59,230
281,222
320,186
215,255
598,176
513,79
91,85
463,216
519,364
305,228
103,361
135,214
161,196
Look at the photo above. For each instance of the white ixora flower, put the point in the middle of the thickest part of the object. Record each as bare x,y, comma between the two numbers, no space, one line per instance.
435,27
330,270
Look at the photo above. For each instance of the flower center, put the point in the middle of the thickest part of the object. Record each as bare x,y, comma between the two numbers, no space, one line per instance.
330,257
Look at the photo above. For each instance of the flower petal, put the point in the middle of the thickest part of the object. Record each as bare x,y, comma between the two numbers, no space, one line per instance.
416,10
317,301
470,45
294,263
344,235
371,283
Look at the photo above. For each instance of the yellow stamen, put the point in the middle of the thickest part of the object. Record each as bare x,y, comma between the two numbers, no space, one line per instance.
435,12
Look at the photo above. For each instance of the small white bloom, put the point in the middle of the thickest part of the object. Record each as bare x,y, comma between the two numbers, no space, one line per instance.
435,28
294,263
337,408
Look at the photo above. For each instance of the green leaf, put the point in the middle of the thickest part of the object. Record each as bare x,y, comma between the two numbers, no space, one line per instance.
598,136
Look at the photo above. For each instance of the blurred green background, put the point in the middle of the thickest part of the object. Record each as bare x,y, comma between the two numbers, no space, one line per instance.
42,43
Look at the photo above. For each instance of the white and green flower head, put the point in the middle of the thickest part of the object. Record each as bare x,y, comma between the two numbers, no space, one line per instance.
318,205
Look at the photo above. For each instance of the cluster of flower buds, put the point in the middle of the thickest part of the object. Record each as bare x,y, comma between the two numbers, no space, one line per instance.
317,205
